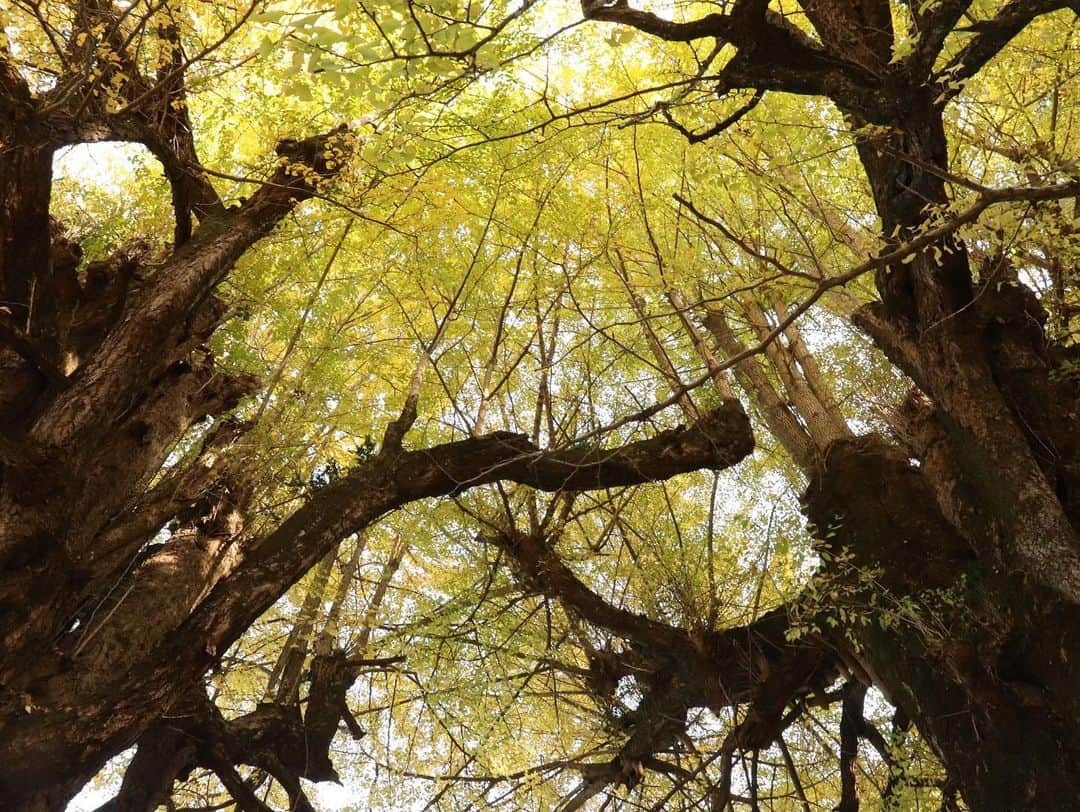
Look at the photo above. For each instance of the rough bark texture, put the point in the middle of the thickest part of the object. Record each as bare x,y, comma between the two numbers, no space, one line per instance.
105,685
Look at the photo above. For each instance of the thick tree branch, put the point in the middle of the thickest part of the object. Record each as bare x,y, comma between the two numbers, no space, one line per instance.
775,412
271,565
274,738
165,752
158,313
773,54
15,96
934,26
862,31
851,721
719,668
993,35
540,567
718,440
178,489
154,111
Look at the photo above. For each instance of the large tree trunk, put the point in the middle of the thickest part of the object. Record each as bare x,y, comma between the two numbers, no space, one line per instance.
981,661
981,534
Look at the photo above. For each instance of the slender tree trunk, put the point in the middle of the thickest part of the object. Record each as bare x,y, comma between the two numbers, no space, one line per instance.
775,412
284,684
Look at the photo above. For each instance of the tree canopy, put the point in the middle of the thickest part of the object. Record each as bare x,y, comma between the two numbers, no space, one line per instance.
538,405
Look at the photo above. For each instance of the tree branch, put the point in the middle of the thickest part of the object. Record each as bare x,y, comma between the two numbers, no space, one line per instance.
773,54
158,314
993,35
272,564
934,27
720,126
851,721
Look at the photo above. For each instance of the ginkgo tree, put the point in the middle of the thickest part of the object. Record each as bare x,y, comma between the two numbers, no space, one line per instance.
389,418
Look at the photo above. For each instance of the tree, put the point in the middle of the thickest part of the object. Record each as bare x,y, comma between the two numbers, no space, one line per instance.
988,512
139,539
